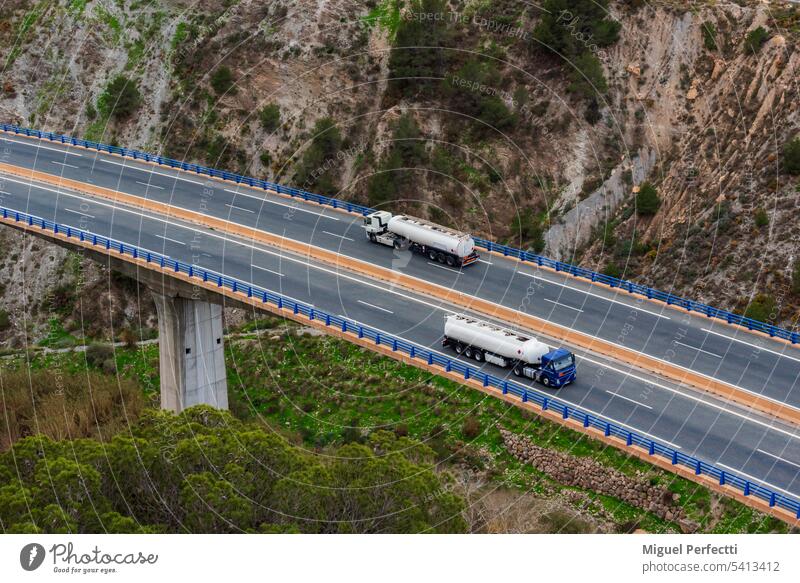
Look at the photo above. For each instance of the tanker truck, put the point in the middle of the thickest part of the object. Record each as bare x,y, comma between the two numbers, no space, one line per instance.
436,242
483,341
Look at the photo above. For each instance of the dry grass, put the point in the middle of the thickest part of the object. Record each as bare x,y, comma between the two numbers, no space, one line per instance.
65,406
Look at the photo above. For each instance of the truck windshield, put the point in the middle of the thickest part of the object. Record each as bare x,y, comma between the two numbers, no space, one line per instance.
563,362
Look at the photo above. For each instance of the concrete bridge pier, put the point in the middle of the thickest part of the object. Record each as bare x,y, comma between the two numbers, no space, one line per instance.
191,354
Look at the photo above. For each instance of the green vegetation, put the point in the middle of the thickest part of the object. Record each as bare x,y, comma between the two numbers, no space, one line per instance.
393,178
222,80
761,218
270,116
110,21
120,99
317,170
755,39
612,270
796,277
587,78
419,56
762,308
354,397
204,471
791,156
387,15
559,33
473,92
182,31
528,227
647,200
710,36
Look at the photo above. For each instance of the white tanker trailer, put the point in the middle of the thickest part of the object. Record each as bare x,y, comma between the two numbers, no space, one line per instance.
530,358
438,243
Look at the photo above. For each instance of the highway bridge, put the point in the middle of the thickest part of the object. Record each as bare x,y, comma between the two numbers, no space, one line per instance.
751,443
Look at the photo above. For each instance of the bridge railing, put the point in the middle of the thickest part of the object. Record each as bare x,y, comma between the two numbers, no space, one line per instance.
628,286
417,352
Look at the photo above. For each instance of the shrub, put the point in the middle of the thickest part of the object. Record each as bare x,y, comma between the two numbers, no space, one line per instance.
762,308
471,428
791,156
222,80
270,116
587,77
612,270
647,200
120,99
97,354
761,218
710,36
755,39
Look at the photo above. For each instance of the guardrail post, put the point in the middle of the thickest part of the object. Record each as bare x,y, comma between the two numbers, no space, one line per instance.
545,403
674,458
608,429
525,396
280,303
327,319
565,414
485,380
412,352
652,448
295,308
629,440
378,338
746,488
311,314
360,331
394,344
722,478
772,499
698,468
344,325
447,367
466,373
430,357
585,420
505,387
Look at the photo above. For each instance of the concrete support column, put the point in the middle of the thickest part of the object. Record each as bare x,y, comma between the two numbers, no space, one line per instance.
191,355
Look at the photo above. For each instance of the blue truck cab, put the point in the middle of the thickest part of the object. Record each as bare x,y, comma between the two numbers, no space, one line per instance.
556,369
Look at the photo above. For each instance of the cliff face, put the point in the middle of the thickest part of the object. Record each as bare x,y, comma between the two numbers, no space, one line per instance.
244,85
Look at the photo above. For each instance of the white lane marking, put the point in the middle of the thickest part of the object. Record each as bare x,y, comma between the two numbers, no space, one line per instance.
692,397
149,185
613,394
149,171
456,271
697,349
83,214
335,235
269,270
239,208
588,293
168,239
39,146
264,199
778,458
64,164
417,300
486,262
775,352
755,480
563,305
376,307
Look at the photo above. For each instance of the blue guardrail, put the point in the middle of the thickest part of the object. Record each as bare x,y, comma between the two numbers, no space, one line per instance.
414,351
628,286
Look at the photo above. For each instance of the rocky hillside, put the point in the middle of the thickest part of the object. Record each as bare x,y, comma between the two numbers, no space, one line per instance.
647,139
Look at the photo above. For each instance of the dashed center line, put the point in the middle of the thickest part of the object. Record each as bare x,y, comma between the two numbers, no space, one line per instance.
756,346
83,214
335,235
64,164
562,305
239,208
772,455
268,270
296,207
613,394
376,307
148,171
168,239
149,185
698,349
456,271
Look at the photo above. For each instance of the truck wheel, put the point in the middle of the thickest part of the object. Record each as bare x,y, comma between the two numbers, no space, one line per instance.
468,352
478,356
440,257
459,348
373,238
545,381
518,371
397,244
432,255
451,261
